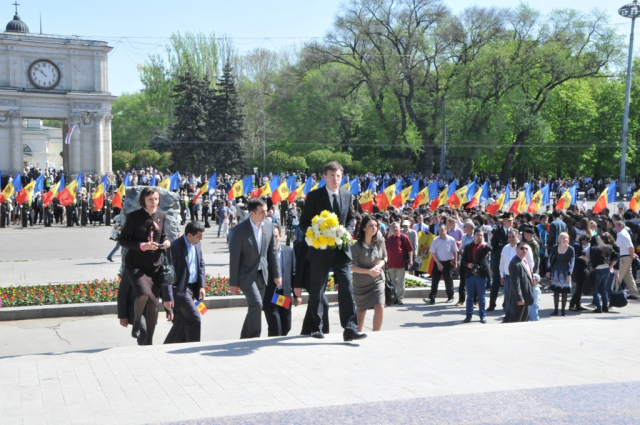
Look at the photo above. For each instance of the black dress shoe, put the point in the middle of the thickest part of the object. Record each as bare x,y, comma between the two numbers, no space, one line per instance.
450,300
580,308
491,309
353,336
467,320
317,335
632,297
400,302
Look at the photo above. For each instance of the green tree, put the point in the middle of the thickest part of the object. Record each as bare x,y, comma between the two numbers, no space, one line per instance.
121,160
146,158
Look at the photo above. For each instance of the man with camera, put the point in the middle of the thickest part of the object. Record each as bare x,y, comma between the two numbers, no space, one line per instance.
476,271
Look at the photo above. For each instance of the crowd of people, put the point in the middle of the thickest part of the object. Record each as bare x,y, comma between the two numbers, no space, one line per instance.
563,253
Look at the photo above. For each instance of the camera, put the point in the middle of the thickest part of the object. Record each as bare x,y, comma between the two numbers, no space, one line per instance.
476,269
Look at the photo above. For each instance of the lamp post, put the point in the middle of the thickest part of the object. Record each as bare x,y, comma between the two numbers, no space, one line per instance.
632,11
264,142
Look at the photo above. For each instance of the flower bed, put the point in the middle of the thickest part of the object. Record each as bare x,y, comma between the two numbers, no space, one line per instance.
97,291
105,290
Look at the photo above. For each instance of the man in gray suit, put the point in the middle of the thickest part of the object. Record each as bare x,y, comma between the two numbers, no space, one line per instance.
520,280
279,317
253,257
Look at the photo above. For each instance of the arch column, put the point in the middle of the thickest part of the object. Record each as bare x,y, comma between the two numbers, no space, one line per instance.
16,141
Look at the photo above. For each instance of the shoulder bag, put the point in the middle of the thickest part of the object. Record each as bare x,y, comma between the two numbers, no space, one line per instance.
167,273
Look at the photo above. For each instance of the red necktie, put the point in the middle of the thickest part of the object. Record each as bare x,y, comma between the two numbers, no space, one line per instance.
526,264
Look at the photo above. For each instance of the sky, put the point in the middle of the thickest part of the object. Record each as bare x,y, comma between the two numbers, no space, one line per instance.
137,28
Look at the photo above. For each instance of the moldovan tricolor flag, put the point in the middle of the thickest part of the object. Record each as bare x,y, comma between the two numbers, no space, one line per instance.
366,200
70,131
267,189
68,195
519,204
10,188
354,186
503,199
634,204
480,196
460,196
345,184
241,188
569,197
386,196
98,195
409,192
201,307
203,189
285,188
301,191
172,182
541,197
47,198
318,185
443,197
608,195
119,196
26,194
426,194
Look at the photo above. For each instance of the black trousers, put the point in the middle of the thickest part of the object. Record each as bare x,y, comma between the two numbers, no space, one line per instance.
341,266
186,321
519,313
254,294
446,275
495,282
278,318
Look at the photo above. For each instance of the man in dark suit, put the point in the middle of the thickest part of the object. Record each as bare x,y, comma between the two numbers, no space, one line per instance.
188,262
253,258
556,227
521,278
278,317
499,239
331,198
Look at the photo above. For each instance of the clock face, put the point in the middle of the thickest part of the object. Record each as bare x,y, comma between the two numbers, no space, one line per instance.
44,74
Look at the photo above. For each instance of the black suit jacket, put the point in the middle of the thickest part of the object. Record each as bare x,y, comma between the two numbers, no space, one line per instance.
499,240
180,256
482,254
136,230
520,282
318,201
288,267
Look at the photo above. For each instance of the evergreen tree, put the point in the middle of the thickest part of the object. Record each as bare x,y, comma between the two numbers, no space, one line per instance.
225,124
190,145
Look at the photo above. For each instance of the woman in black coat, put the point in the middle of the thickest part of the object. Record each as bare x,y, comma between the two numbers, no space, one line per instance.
144,236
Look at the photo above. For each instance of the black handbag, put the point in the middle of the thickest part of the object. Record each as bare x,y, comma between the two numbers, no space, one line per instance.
588,285
390,296
618,299
167,273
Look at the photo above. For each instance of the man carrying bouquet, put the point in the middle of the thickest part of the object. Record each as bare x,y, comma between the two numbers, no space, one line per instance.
338,201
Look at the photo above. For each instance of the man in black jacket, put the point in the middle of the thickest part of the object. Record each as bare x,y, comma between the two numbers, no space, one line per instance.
476,271
521,278
499,240
189,287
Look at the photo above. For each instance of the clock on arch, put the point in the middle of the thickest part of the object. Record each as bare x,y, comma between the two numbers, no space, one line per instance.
44,74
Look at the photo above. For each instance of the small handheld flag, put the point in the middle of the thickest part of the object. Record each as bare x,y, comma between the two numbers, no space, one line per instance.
281,300
201,307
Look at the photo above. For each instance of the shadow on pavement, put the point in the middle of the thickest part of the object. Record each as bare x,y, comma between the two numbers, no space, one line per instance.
60,353
248,346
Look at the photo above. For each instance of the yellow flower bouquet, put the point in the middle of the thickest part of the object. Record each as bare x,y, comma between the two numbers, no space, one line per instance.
327,233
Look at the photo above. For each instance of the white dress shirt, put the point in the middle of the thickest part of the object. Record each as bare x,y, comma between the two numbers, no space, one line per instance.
623,240
257,232
508,252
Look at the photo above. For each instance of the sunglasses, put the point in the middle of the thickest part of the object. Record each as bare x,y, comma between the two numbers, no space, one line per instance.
524,248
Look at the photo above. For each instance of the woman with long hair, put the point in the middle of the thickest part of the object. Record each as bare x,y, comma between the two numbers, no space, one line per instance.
369,257
560,267
144,235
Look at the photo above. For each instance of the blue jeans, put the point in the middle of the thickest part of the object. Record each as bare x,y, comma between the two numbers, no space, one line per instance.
476,285
534,311
114,251
601,297
507,298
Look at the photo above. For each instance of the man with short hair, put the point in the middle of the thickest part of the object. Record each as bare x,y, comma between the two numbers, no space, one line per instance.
279,317
627,255
223,214
508,252
188,262
476,270
399,248
339,201
498,241
556,227
252,259
521,287
420,226
445,254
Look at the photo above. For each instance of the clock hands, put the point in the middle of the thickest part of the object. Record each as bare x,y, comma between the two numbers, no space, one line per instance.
42,72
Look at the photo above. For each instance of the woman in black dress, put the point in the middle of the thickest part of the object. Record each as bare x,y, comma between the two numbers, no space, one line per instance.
144,236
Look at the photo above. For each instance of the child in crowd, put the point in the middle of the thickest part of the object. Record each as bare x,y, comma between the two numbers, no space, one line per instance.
535,308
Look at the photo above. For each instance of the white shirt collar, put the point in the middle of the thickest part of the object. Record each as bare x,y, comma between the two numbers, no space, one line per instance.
254,225
332,193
